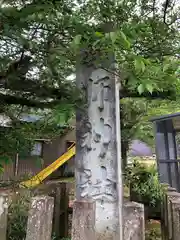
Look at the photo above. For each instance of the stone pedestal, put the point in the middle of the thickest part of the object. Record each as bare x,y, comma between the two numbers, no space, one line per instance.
83,223
134,222
171,196
169,212
39,226
175,219
4,202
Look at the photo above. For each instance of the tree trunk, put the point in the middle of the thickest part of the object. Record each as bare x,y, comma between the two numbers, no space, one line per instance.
96,147
124,153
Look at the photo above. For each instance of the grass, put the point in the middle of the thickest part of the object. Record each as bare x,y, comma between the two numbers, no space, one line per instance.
153,230
64,180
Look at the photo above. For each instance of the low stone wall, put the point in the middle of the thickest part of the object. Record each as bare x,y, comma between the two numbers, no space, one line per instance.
39,225
40,217
170,219
84,221
62,193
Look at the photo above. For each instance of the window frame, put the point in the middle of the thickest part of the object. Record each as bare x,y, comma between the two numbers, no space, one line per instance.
41,150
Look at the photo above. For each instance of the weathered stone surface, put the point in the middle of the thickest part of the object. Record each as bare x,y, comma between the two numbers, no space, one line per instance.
134,225
83,223
171,189
97,160
39,226
170,196
175,219
4,202
167,213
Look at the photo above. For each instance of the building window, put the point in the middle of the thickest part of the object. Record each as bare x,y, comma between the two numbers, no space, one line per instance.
37,149
69,144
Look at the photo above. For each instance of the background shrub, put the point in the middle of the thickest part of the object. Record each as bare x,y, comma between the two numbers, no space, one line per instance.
144,184
18,214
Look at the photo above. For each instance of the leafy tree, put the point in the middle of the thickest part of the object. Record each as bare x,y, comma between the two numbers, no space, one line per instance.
39,41
33,72
136,119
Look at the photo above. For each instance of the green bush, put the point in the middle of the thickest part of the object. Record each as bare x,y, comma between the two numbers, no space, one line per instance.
18,214
144,184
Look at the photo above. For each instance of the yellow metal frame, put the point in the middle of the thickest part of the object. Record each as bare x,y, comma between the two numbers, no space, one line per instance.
37,179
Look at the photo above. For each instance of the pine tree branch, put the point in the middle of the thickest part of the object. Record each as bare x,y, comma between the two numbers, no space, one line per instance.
15,100
15,79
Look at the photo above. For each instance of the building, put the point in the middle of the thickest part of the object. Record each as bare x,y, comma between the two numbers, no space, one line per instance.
44,152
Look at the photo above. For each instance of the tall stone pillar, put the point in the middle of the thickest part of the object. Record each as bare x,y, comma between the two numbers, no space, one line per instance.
97,134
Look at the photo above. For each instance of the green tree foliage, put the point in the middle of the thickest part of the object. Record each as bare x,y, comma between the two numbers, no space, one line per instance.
33,72
136,116
39,41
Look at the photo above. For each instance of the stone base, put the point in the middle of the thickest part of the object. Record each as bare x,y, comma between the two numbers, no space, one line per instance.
39,226
107,221
83,223
134,222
